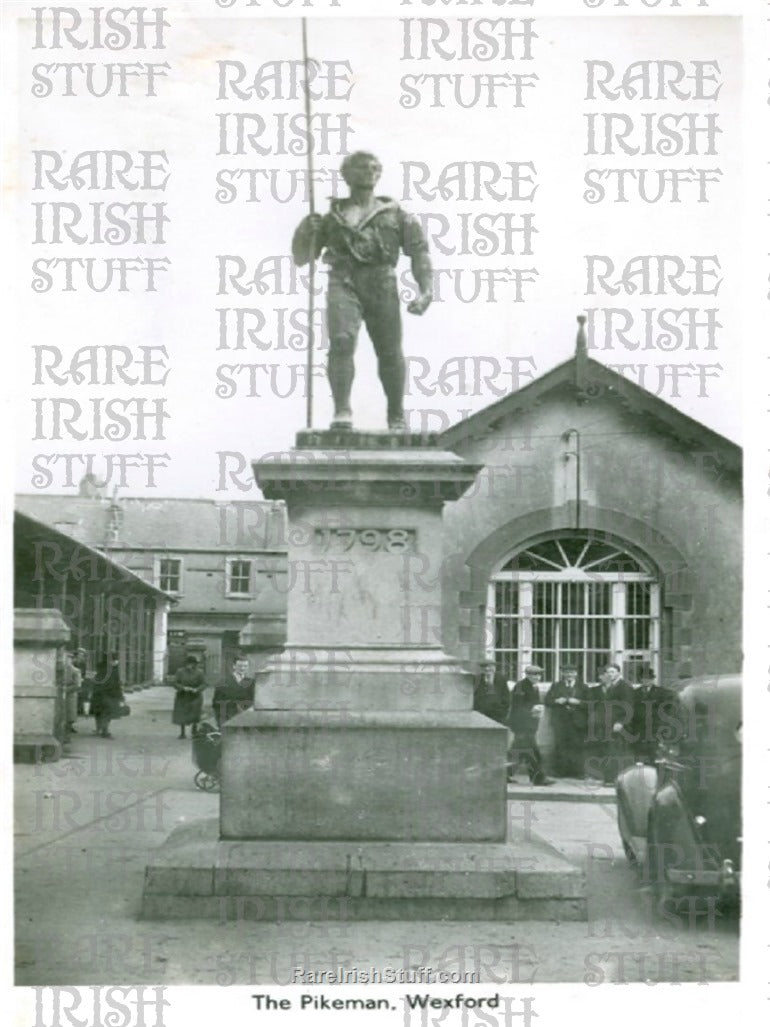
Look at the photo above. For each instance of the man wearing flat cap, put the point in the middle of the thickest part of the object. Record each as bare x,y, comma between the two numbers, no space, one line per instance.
524,710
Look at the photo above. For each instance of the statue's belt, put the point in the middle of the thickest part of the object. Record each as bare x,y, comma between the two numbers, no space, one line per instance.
346,265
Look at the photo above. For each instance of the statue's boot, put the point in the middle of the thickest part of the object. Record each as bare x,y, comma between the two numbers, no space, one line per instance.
392,372
342,420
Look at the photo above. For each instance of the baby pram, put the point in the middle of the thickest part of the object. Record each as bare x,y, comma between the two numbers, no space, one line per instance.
207,752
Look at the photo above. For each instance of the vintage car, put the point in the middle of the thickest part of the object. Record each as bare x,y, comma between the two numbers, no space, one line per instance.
680,820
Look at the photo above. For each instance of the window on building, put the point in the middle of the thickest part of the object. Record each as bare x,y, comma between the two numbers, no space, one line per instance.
575,599
170,574
239,577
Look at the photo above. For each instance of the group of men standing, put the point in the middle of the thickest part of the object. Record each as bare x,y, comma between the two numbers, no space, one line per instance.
597,730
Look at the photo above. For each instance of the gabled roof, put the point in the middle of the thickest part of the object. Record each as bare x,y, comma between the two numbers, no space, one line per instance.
592,381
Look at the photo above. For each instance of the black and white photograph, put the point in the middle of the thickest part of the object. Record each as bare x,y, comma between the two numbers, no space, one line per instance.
386,507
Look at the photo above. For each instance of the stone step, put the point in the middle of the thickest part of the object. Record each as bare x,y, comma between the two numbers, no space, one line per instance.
196,875
563,790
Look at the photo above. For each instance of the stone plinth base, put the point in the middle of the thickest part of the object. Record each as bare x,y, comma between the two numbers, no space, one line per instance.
36,749
363,678
38,635
351,440
360,775
195,875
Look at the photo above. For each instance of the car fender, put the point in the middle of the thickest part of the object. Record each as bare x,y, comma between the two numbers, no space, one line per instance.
671,825
635,790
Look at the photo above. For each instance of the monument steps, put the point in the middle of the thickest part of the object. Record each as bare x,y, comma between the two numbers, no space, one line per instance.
362,785
195,874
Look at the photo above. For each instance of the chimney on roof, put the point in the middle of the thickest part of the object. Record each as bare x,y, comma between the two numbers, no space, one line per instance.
115,517
90,487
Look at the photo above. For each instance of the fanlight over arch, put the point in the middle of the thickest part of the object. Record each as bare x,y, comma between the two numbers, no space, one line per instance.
578,552
575,598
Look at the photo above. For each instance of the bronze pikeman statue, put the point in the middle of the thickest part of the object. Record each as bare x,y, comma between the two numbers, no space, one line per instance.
363,236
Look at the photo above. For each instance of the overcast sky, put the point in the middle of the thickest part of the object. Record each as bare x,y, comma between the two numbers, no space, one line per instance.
549,131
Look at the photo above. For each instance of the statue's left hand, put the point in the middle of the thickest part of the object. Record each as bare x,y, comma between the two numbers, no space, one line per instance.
421,304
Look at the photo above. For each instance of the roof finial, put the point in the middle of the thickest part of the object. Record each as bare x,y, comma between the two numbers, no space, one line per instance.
581,346
581,355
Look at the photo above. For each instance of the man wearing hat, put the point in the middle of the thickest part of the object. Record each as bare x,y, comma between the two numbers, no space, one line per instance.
188,702
524,710
566,699
610,708
491,695
655,710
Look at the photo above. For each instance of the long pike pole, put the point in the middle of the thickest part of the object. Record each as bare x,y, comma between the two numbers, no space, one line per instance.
311,269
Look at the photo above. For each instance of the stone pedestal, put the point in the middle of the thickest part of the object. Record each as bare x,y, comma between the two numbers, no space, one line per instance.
362,759
38,636
313,774
363,727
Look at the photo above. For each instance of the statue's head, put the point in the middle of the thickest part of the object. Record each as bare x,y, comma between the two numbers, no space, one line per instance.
360,163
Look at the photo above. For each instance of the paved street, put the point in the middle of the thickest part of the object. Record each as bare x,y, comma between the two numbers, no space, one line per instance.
85,825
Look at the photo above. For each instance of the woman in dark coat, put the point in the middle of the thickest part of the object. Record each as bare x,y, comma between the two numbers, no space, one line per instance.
107,696
188,702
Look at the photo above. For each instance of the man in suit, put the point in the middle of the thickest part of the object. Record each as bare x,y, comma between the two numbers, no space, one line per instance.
107,695
655,709
491,695
524,710
566,699
235,694
609,710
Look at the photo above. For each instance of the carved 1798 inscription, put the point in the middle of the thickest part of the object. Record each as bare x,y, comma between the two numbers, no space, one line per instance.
376,540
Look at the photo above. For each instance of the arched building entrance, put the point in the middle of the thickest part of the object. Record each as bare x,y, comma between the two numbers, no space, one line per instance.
575,597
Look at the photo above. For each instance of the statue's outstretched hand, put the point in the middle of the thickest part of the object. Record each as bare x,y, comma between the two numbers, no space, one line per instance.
421,304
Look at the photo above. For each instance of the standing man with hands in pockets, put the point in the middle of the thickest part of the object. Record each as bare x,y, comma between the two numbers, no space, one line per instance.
524,711
188,701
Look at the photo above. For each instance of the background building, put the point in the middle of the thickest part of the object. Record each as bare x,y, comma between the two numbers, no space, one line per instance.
605,526
68,595
219,563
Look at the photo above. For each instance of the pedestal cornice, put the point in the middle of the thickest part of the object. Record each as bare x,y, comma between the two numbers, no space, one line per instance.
410,476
